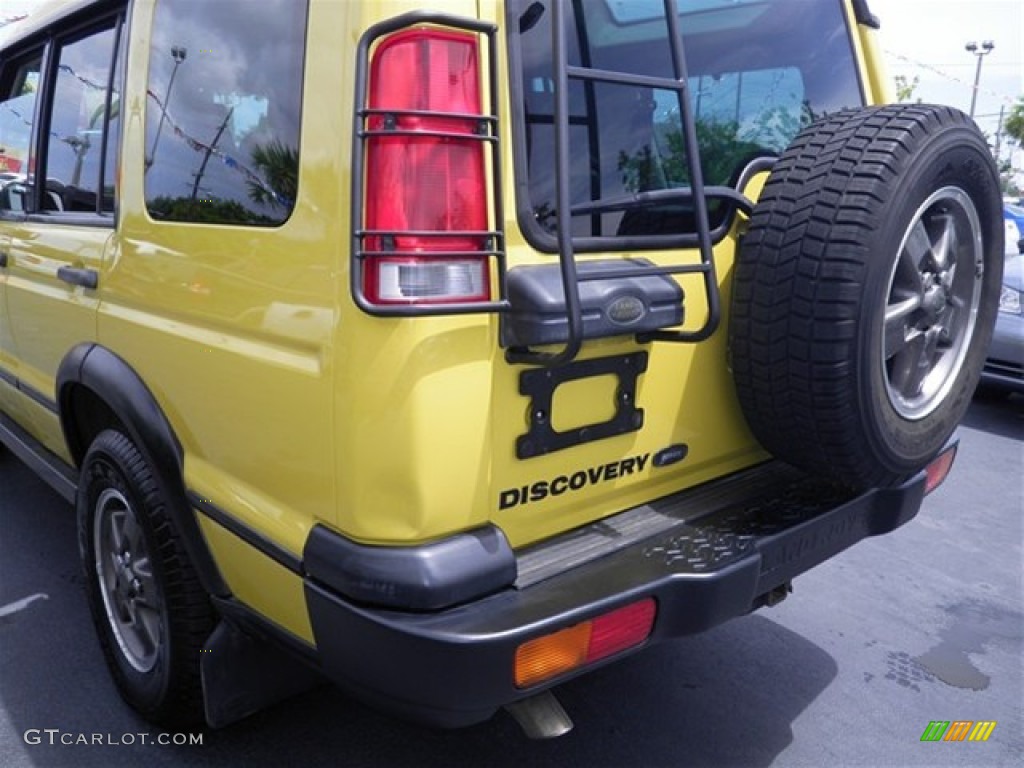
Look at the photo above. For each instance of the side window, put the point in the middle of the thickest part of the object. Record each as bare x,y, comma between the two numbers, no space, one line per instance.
111,155
223,110
74,146
19,87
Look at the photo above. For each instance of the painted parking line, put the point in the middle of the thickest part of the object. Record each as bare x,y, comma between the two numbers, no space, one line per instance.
20,605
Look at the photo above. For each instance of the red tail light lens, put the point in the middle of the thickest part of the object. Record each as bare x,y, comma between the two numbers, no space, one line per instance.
938,469
425,171
621,629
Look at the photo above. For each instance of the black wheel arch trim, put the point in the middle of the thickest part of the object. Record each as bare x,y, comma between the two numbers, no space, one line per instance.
114,382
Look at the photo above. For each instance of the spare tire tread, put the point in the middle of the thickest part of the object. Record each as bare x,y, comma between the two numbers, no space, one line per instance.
798,286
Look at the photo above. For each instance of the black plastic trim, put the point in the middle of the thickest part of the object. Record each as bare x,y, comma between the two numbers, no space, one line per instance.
73,219
252,537
244,671
85,278
428,577
650,299
455,667
864,15
540,385
113,381
241,614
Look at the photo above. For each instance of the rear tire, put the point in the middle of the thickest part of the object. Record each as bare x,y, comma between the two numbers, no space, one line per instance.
865,292
151,614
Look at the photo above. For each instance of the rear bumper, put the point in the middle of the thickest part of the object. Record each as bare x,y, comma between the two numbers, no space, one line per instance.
455,667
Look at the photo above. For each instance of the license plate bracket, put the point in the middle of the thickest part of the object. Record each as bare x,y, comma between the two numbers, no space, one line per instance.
539,384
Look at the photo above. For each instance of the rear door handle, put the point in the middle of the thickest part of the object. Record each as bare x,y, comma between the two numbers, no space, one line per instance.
87,278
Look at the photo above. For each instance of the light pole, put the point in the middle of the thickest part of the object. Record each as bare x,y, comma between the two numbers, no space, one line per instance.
979,51
178,53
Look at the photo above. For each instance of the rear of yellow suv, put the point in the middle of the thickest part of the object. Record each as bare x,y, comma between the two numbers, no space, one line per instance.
456,351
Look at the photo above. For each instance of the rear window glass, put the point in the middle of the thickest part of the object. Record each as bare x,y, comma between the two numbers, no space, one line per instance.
758,71
223,110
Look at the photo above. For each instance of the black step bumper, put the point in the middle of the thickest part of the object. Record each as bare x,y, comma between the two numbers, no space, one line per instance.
455,667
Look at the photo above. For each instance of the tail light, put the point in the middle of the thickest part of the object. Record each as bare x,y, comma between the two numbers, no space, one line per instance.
938,469
550,655
426,239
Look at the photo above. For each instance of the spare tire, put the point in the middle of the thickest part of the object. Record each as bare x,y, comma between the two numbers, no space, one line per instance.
865,291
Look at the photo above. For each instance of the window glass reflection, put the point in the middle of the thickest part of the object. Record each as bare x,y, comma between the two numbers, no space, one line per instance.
76,124
223,109
18,93
758,71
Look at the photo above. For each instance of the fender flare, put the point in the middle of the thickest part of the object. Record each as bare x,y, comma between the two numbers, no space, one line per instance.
113,381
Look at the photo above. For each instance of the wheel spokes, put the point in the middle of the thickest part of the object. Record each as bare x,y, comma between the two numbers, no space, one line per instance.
917,250
144,573
147,625
129,587
133,535
932,303
945,247
907,361
118,540
897,325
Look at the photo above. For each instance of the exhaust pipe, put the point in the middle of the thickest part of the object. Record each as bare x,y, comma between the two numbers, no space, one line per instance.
540,716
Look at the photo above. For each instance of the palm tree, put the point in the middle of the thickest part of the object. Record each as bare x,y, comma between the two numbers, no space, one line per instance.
278,164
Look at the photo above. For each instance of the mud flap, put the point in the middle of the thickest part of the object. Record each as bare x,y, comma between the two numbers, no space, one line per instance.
243,674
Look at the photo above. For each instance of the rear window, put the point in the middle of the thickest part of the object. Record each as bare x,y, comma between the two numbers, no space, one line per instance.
223,110
758,72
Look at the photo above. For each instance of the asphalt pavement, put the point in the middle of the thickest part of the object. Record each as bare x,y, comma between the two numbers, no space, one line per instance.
923,625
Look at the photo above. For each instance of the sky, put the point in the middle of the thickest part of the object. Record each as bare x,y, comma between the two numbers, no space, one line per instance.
925,39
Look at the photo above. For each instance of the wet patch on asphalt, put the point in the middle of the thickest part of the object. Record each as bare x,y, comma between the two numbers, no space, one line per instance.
974,625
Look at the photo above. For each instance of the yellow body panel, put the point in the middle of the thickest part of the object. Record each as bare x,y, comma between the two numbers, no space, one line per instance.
295,408
47,315
880,86
258,581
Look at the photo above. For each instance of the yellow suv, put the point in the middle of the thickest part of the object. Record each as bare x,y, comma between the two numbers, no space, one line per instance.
455,351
